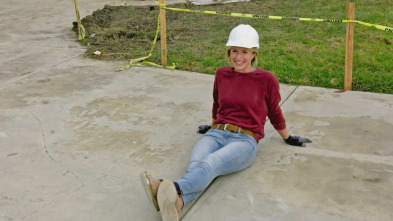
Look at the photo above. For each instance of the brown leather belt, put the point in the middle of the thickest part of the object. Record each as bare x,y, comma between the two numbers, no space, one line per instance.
233,128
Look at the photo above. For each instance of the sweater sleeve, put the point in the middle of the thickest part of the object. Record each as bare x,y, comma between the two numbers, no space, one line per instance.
273,103
215,98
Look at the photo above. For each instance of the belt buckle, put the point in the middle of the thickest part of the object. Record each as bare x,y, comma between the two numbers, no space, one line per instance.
225,127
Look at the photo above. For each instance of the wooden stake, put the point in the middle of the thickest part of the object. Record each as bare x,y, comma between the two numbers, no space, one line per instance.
163,35
349,47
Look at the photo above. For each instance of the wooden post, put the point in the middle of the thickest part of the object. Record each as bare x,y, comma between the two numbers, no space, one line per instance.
349,47
163,35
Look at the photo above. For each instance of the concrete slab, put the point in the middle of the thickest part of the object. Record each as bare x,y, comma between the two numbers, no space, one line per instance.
75,134
36,35
345,174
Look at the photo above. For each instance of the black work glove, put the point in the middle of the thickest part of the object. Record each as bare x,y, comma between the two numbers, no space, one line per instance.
297,141
203,129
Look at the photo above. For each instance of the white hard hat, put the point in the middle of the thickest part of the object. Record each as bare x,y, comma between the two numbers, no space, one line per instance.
243,36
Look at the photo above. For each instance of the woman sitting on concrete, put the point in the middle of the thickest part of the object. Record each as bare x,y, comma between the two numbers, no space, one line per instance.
243,96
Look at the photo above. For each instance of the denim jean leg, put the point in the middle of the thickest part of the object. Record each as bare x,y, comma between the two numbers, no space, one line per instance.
209,143
224,153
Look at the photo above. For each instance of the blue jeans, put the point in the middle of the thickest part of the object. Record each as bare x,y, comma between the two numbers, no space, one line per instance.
217,153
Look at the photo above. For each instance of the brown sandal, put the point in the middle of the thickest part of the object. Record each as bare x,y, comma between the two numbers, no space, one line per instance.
167,198
146,179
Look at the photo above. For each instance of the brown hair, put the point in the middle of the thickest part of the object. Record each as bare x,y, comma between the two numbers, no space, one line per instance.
254,61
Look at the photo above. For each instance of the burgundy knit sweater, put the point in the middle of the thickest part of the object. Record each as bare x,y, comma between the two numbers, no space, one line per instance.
245,99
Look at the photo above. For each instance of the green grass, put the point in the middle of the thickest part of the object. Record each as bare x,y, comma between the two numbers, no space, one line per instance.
298,53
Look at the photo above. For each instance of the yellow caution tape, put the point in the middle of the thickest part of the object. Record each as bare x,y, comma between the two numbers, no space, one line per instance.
81,29
138,61
381,27
141,61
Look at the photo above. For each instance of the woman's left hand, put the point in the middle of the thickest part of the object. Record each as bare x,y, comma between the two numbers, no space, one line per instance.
297,141
203,129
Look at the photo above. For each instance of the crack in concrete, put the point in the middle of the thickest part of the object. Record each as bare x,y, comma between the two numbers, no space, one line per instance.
191,204
69,193
386,160
50,156
43,138
16,79
283,102
82,185
49,203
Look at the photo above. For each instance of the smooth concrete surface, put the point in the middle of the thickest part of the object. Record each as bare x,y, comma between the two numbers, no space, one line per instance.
75,134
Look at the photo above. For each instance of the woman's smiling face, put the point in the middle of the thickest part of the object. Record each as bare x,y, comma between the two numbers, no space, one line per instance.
241,59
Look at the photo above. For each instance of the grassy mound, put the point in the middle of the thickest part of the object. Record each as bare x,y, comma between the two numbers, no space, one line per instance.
298,53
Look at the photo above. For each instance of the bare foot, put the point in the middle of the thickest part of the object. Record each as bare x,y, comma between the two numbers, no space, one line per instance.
154,184
179,205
